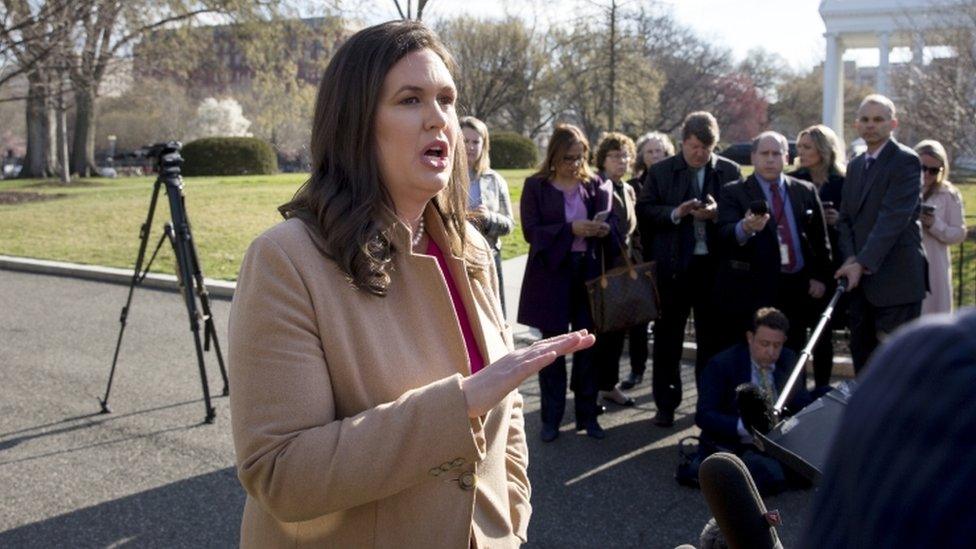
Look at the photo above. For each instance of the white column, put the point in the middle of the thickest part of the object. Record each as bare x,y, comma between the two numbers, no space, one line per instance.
833,82
884,44
918,49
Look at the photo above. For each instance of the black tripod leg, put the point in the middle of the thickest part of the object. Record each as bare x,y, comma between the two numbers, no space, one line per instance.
179,241
136,279
210,329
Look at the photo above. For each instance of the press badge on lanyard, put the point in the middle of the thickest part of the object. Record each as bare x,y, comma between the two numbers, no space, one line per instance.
784,250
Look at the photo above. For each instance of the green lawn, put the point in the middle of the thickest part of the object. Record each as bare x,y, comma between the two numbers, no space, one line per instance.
97,221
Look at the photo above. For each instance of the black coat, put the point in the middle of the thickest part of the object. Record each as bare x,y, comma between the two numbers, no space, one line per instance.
831,191
749,275
879,225
667,184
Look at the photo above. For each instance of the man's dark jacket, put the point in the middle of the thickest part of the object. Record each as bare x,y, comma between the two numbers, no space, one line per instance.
879,225
749,274
717,414
667,184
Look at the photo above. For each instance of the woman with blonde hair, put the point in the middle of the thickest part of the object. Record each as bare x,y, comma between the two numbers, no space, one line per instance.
567,217
943,224
652,147
489,203
375,399
820,158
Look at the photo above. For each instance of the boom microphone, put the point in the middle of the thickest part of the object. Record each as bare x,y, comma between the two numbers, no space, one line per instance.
753,408
734,501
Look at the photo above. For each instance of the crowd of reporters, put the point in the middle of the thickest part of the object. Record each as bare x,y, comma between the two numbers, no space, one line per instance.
726,246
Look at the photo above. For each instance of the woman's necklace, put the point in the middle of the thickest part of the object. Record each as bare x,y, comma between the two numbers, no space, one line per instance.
418,235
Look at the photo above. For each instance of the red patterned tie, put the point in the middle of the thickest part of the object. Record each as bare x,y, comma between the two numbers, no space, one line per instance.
783,226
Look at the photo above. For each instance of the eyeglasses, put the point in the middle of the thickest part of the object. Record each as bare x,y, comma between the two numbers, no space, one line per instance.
932,171
572,159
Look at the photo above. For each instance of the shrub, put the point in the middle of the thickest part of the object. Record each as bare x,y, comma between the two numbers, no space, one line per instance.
510,150
228,156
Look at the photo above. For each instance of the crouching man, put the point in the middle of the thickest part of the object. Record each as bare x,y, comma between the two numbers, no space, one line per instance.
763,362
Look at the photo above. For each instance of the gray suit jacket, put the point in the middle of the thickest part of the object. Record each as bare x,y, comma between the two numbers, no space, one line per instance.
879,225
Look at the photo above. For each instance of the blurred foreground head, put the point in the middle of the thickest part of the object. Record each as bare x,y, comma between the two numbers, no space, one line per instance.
902,469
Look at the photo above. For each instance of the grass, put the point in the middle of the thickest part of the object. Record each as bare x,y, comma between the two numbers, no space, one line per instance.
97,221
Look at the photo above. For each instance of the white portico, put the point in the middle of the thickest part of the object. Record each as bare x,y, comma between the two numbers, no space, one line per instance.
882,24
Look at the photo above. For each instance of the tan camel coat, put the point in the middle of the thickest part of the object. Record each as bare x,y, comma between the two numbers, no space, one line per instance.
349,422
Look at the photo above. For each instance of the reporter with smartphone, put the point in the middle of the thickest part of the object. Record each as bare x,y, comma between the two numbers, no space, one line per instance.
943,224
566,219
820,156
677,202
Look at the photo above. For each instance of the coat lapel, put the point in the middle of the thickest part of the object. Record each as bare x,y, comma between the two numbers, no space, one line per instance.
795,192
880,164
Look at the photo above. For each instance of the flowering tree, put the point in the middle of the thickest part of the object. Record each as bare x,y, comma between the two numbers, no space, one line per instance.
220,118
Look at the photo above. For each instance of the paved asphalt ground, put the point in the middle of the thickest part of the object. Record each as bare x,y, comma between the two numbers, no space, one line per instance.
152,475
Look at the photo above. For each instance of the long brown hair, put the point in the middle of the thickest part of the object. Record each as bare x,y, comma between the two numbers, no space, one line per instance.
564,137
345,200
483,162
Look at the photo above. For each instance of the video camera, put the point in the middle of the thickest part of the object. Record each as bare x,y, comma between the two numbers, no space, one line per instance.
167,155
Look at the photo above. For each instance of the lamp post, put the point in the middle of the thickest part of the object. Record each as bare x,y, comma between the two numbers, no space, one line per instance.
111,150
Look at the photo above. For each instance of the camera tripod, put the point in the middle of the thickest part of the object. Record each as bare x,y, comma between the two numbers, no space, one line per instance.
177,232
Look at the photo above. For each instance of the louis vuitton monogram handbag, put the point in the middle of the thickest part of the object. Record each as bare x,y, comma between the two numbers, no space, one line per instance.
623,297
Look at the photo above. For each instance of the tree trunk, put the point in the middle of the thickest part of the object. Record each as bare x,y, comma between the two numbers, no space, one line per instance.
40,160
83,151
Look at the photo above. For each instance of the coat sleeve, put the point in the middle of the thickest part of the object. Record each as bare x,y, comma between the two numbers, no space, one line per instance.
517,466
709,415
822,267
650,203
295,456
553,240
897,208
729,215
500,223
950,226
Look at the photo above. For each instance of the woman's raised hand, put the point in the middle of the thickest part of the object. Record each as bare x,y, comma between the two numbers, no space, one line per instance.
488,387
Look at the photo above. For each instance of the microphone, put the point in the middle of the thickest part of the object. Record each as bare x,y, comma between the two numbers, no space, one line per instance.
734,501
753,408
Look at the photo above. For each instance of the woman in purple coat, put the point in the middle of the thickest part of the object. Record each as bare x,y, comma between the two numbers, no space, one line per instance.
566,219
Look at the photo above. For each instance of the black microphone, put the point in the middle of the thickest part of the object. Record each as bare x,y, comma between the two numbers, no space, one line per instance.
734,501
753,408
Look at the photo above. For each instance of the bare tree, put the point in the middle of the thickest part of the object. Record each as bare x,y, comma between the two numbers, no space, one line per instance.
938,98
421,4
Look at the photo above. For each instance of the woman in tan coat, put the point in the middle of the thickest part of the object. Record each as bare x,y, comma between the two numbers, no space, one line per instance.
943,224
375,400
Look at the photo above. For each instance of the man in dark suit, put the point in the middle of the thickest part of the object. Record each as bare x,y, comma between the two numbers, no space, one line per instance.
880,237
780,258
678,202
765,362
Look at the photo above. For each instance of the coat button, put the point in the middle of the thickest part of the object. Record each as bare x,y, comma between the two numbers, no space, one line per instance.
458,462
468,480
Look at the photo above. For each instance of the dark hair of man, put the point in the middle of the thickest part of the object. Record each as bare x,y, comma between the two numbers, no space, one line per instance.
771,318
613,141
345,200
564,137
703,126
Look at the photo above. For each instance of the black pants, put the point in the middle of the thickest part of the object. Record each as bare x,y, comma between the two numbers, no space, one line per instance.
692,290
823,351
552,378
608,349
793,300
870,324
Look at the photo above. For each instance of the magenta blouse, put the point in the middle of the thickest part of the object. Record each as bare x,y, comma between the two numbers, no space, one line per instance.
575,211
474,354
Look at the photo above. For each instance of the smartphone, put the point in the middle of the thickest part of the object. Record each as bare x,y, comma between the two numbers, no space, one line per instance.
601,216
928,208
759,207
827,205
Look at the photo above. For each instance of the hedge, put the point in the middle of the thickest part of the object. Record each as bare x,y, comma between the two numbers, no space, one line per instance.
229,156
510,150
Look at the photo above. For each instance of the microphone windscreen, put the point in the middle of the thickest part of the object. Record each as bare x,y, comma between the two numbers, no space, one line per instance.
735,503
753,408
